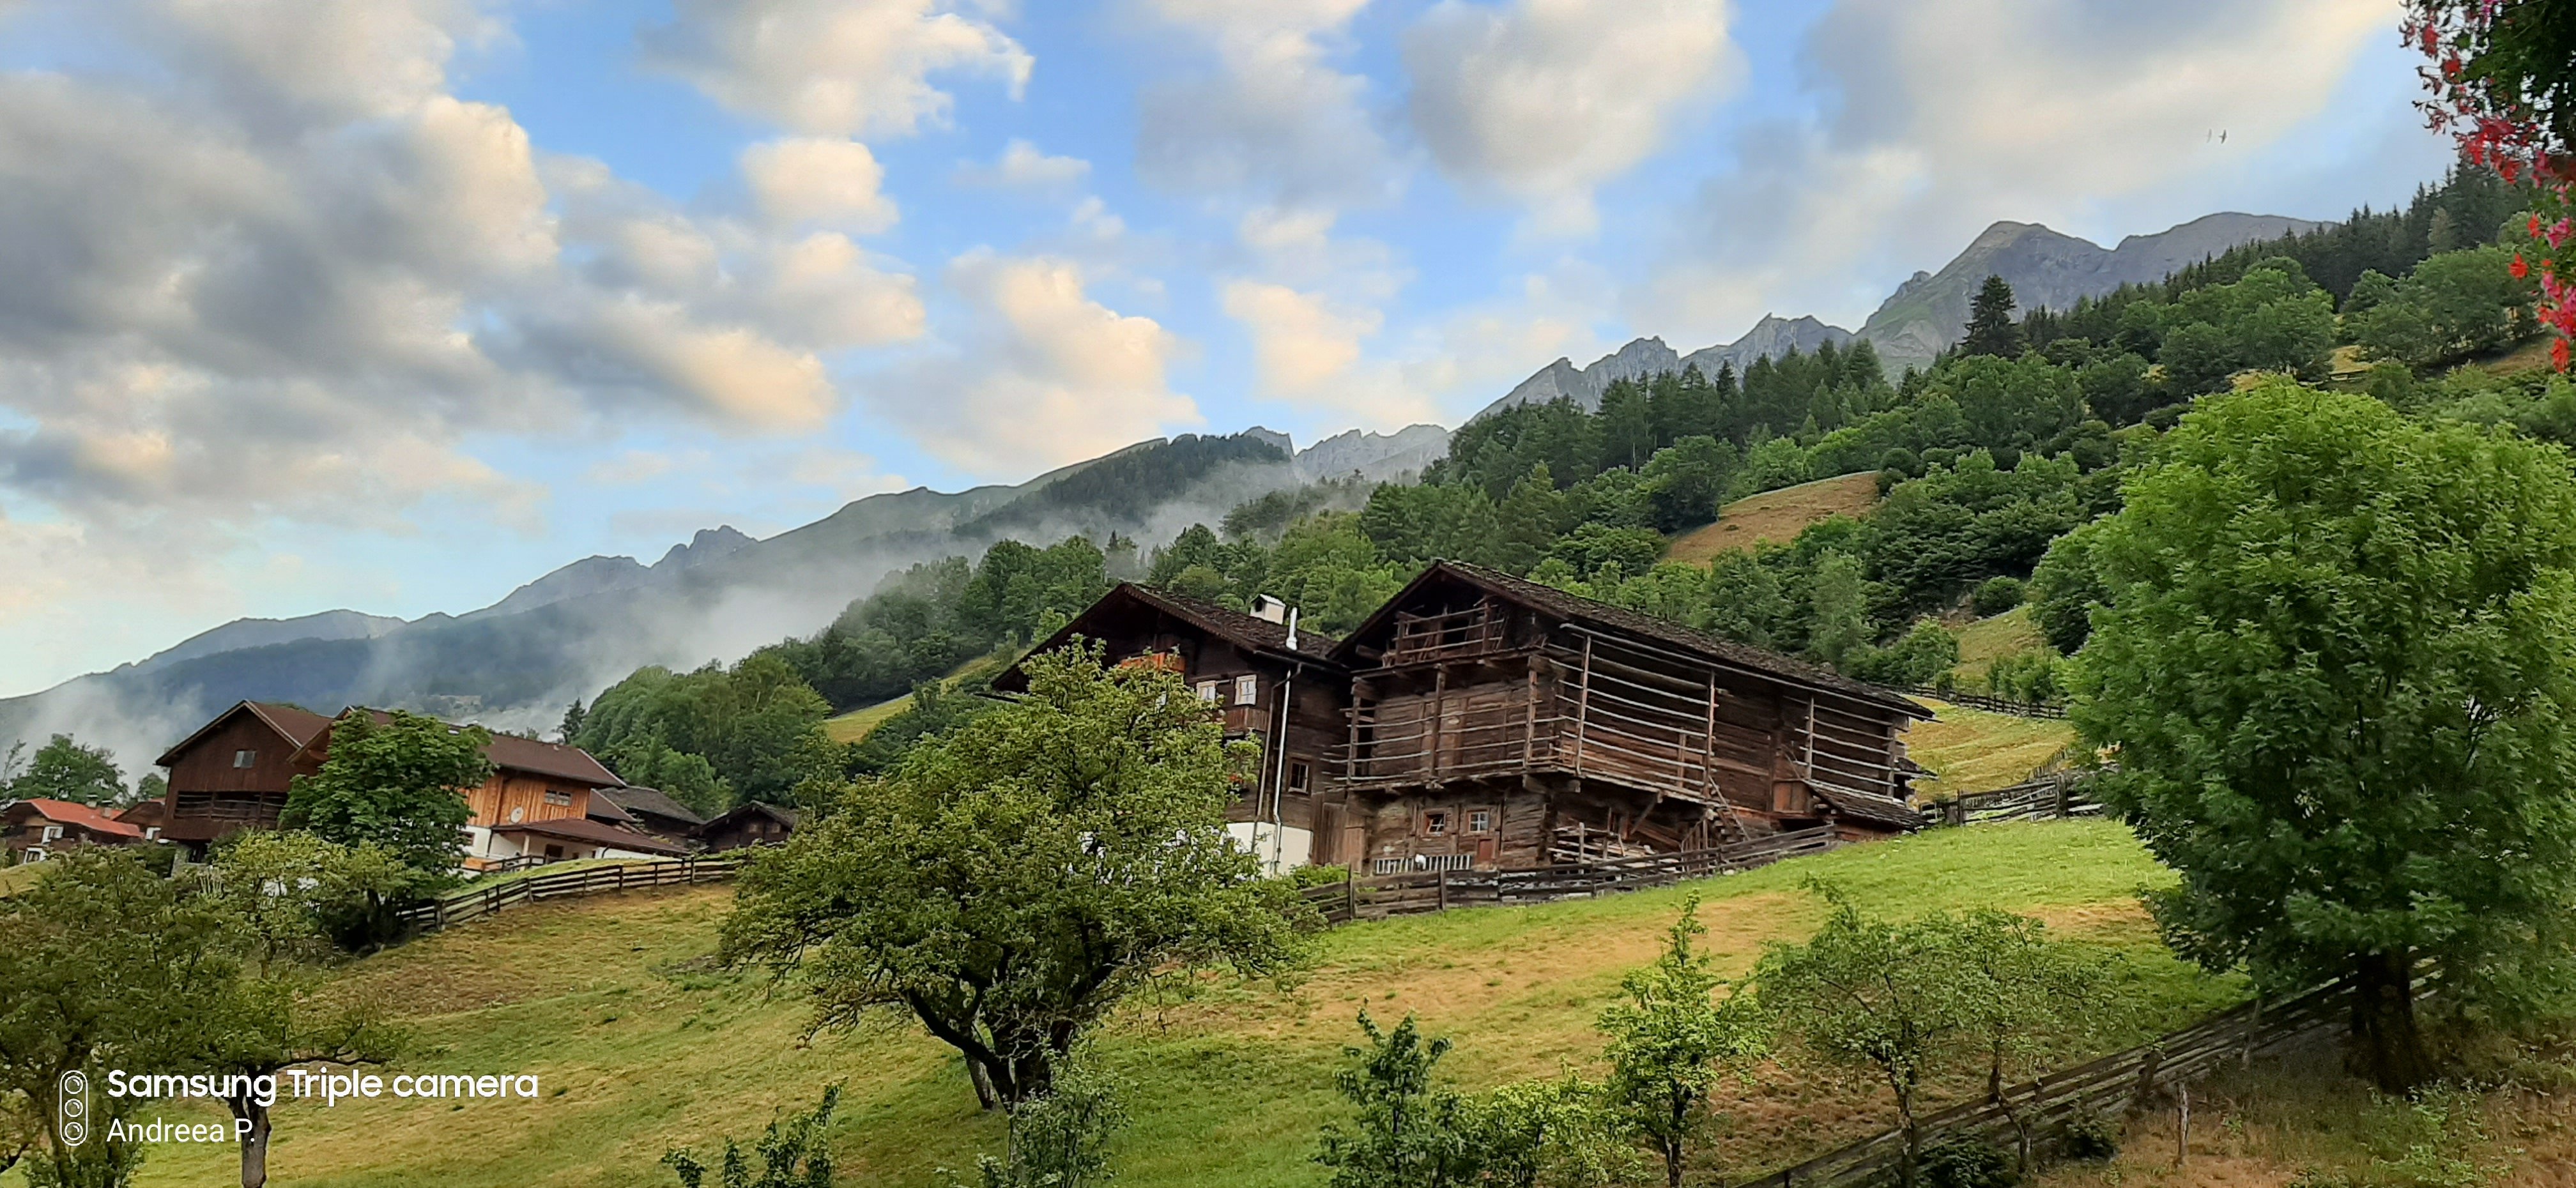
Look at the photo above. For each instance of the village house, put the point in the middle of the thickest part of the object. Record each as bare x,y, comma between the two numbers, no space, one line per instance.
235,771
1269,681
38,828
750,823
653,811
1481,721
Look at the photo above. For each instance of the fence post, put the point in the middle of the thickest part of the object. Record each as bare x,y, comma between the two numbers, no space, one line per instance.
1444,889
1351,896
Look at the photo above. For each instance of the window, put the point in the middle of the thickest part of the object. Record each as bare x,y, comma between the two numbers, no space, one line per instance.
1247,690
53,833
1435,823
245,758
1480,821
558,799
1207,692
1297,776
553,852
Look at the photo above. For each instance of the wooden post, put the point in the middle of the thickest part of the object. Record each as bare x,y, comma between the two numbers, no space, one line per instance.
1439,710
1444,888
1351,895
2182,1131
2253,1033
1583,706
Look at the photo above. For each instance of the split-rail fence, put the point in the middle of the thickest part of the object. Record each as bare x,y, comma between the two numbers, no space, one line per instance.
1375,897
477,901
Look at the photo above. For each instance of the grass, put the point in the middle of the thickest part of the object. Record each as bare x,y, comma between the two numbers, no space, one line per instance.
1993,638
1777,516
1971,750
640,1044
857,724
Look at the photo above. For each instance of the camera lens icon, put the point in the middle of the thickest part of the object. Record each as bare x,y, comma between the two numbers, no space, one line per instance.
71,1106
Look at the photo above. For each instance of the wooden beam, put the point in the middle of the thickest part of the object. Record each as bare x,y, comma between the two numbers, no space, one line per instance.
1583,706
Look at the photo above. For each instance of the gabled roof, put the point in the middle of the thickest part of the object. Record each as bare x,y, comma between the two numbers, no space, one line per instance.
1549,600
1886,810
651,802
64,812
596,833
297,725
509,752
753,808
1249,632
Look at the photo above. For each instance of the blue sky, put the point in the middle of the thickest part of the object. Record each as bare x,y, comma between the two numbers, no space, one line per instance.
396,305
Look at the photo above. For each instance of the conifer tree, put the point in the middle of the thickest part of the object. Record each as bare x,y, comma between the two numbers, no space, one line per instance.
1991,329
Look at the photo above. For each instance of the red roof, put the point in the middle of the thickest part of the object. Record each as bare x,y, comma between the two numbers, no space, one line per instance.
64,812
593,832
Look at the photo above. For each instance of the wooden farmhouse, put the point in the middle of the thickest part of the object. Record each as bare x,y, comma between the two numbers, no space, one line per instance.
1267,682
750,823
1494,721
652,810
235,771
1480,721
37,828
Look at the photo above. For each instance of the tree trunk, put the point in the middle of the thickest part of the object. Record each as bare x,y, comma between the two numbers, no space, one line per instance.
985,1095
254,1141
2389,1049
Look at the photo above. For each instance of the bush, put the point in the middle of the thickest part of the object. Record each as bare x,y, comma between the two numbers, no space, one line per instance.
2089,1137
1964,1163
1997,595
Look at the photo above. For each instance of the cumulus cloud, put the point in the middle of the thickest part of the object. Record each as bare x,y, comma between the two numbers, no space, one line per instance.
288,276
833,66
1021,166
819,180
1547,99
1942,115
1042,375
1275,119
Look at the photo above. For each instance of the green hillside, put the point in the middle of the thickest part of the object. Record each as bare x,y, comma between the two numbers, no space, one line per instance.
639,1044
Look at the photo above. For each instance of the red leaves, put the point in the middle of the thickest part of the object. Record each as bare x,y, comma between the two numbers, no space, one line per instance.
2520,269
2558,353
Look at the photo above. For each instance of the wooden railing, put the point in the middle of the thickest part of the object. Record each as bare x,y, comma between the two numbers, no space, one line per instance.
1379,896
1987,702
2104,1090
474,902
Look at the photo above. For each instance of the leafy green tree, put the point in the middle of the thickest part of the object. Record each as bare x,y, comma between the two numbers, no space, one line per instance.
1926,650
792,1154
1627,425
1672,1038
1991,329
2334,654
1685,480
1326,567
1996,595
399,784
2453,306
107,966
2064,589
1839,609
1012,882
2029,1000
1771,464
280,890
1529,521
63,769
1411,1131
1890,999
754,731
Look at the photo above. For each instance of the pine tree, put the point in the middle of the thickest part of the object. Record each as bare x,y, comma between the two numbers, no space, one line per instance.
1991,329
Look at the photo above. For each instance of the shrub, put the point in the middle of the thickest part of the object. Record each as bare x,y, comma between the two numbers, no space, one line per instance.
1997,595
2089,1137
1964,1163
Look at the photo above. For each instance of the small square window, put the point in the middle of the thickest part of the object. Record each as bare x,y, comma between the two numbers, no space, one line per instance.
1435,823
53,833
559,799
1247,689
1297,776
1207,692
1480,821
245,758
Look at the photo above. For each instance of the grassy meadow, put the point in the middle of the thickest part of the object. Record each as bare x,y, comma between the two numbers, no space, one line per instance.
1970,750
1777,517
641,1044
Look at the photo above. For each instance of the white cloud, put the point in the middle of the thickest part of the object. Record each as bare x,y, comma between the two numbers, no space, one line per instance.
843,67
1023,167
1301,342
1548,99
1275,121
819,180
1944,115
1043,374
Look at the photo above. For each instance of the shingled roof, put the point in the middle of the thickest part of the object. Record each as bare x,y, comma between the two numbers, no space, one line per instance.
299,726
1602,615
1251,632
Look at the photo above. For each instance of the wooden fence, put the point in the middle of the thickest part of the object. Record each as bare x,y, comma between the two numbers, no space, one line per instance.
2050,797
473,902
2105,1090
1379,896
1987,702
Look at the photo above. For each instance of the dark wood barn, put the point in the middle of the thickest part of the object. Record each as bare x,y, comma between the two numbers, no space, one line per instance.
1496,722
233,773
1267,682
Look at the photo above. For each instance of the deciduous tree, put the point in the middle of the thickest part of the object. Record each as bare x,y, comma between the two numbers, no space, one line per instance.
399,785
1671,1040
2336,653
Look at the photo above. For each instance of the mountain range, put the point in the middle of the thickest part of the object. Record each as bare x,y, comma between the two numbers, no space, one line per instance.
1924,315
571,632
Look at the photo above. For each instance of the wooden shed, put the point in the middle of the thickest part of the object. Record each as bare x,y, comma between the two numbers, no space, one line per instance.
1496,722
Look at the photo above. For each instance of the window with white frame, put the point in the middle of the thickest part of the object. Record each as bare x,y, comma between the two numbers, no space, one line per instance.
1480,821
53,833
1207,692
558,799
1247,689
1435,822
245,758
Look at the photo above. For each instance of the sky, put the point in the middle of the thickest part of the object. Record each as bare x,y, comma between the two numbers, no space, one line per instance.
398,304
